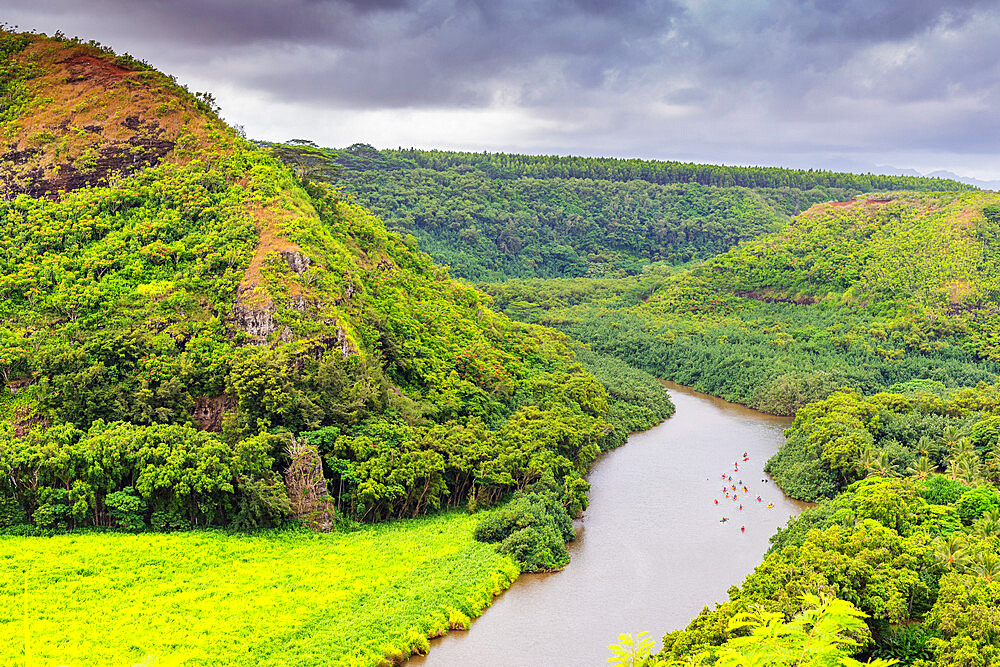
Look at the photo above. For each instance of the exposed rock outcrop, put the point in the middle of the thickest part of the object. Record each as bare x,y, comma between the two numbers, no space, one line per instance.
209,411
307,491
296,261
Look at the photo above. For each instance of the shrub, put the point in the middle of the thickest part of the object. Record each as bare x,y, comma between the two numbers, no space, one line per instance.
533,529
126,509
537,548
905,644
975,502
54,509
939,490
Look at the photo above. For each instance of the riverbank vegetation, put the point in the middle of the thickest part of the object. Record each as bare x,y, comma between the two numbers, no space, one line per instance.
354,597
912,538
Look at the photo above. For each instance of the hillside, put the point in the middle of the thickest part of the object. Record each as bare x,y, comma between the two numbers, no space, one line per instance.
493,217
885,289
197,315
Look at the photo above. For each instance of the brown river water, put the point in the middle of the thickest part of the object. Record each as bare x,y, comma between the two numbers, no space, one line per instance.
650,550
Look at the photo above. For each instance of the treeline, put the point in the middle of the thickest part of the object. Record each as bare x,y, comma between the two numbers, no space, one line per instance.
508,165
493,217
910,534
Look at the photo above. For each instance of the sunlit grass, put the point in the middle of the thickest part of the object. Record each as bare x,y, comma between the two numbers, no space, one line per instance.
206,598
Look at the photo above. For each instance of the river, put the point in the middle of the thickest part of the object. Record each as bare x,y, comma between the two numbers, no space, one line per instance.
650,550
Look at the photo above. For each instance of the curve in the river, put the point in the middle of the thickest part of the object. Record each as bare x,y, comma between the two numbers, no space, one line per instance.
651,550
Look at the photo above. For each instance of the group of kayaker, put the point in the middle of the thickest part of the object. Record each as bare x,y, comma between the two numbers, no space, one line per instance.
732,488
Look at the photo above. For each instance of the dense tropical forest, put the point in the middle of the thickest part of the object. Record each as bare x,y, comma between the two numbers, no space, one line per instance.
872,320
884,290
493,217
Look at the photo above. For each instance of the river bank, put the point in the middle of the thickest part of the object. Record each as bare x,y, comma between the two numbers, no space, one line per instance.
650,551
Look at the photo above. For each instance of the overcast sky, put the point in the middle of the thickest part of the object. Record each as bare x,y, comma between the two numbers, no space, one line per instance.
843,84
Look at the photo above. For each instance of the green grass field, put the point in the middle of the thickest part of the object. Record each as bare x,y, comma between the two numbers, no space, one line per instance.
207,598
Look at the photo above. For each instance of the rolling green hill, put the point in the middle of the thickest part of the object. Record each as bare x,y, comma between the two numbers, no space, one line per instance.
866,294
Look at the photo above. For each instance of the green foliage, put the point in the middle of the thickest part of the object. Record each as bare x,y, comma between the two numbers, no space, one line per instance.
14,95
905,644
122,474
126,509
533,529
819,635
636,399
270,306
915,550
940,490
866,296
976,502
631,651
487,227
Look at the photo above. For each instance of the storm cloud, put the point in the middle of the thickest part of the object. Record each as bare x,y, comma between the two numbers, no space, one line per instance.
820,83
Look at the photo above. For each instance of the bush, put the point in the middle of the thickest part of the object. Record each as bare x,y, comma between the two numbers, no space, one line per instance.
54,510
905,644
126,509
532,528
801,474
536,548
794,533
976,502
939,490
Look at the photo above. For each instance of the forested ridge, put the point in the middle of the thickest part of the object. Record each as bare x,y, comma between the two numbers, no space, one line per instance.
884,290
497,216
277,322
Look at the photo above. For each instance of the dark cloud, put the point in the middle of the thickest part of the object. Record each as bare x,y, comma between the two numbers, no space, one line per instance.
709,79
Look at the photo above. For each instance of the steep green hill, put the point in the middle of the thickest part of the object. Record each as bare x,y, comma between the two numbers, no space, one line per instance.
173,324
499,216
865,294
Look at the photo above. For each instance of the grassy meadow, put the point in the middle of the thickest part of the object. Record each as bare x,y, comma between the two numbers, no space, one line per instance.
211,598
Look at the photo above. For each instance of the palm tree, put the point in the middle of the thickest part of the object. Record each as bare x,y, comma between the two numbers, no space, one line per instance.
926,446
965,468
962,446
988,524
868,460
950,552
882,467
992,464
923,468
949,436
986,565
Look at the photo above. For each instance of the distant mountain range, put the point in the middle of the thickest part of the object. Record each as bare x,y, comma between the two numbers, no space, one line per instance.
862,167
888,170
